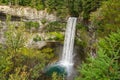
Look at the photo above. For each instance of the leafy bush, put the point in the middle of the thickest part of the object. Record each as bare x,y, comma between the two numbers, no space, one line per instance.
18,62
37,38
15,39
57,77
40,7
43,21
56,6
55,26
105,66
106,19
56,36
35,64
20,74
90,5
38,4
5,65
30,25
9,51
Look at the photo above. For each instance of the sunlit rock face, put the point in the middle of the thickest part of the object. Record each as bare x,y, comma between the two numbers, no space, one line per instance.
27,13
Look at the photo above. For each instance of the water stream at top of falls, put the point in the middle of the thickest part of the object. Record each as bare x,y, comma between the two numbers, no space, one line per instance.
67,55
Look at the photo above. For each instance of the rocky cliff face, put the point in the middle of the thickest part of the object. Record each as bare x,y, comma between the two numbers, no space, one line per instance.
27,13
24,14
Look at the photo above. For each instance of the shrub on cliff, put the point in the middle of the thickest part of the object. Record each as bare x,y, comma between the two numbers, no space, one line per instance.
107,18
18,62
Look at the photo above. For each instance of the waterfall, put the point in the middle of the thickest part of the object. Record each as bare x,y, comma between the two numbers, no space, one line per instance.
67,55
65,64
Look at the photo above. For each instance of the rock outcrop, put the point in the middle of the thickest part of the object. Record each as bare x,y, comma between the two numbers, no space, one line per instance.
27,13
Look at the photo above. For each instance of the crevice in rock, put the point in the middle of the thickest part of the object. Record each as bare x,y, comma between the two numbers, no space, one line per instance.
3,17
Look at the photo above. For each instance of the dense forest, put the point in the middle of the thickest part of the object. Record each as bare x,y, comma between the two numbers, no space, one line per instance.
97,40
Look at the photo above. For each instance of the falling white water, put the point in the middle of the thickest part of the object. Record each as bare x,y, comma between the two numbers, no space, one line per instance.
67,55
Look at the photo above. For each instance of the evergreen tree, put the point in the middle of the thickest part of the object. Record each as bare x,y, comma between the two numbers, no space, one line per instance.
106,65
89,6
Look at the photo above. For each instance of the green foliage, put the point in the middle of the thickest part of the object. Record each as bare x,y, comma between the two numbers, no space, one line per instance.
20,74
74,7
55,26
18,62
90,5
56,36
24,2
105,65
30,25
9,54
81,40
38,4
111,44
43,21
5,65
106,19
15,39
61,8
37,38
50,36
35,64
64,7
56,6
57,77
4,1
